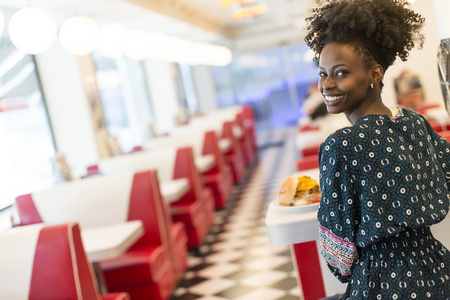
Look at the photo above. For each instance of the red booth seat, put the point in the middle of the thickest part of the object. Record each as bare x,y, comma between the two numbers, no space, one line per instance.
445,135
310,150
307,163
220,177
193,209
245,138
250,124
47,263
151,267
234,155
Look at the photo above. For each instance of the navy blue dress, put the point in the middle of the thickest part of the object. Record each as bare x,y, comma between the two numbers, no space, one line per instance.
384,182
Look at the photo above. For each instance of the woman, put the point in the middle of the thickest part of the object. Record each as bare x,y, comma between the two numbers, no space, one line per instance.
384,180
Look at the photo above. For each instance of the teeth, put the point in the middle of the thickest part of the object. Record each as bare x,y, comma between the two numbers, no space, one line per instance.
333,98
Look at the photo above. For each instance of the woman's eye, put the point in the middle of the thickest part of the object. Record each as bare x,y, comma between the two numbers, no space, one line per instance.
341,73
321,75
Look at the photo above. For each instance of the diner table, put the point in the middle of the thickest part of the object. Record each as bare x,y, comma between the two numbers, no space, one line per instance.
106,242
298,228
204,163
173,190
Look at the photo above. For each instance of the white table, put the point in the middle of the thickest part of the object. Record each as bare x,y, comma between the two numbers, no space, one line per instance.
298,227
286,226
224,145
204,163
108,242
173,190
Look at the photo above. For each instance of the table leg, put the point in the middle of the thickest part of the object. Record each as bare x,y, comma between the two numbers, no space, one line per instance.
306,260
103,289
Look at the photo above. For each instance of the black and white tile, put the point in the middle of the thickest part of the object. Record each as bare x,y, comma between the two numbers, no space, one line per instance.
237,261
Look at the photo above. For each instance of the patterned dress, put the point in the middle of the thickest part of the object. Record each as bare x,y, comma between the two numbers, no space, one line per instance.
384,183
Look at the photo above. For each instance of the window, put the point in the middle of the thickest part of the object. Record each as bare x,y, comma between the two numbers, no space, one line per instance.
28,150
273,81
125,100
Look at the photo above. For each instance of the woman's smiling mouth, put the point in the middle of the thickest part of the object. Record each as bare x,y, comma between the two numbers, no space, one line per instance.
333,98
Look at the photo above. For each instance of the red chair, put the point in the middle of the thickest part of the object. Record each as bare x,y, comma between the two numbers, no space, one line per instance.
445,135
308,162
154,264
308,127
245,140
47,263
311,150
250,124
234,155
422,108
437,126
219,178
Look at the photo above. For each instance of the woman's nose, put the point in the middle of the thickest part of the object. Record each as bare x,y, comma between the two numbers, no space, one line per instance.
328,84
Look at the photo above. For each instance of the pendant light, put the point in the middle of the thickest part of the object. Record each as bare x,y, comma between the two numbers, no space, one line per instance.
111,38
32,29
78,35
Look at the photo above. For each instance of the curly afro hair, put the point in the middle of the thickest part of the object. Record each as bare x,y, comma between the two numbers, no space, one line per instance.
379,30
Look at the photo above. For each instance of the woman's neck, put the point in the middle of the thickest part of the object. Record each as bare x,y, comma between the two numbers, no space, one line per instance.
376,107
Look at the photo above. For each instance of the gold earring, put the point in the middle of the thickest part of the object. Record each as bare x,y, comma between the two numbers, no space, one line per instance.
371,86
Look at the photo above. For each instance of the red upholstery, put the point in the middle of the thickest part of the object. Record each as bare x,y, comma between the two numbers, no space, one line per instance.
219,178
246,140
192,208
308,127
445,135
60,268
422,108
234,156
250,124
308,162
151,265
437,126
311,150
208,198
92,170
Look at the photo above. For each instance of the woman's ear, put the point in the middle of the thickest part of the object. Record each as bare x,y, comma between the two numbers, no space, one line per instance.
377,73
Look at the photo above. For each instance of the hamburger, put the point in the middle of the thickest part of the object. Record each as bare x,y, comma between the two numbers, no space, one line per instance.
298,190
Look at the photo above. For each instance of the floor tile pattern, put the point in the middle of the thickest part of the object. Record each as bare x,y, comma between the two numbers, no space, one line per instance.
236,260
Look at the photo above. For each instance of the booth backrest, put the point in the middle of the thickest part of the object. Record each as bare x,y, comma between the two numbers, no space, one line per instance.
189,138
45,263
162,159
99,201
172,163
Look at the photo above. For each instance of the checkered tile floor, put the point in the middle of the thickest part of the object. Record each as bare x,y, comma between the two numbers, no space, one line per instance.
237,261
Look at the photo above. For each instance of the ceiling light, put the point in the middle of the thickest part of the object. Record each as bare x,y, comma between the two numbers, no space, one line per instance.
250,11
78,35
137,44
32,29
111,37
233,2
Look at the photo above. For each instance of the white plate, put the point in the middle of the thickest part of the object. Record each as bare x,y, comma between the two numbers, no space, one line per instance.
294,209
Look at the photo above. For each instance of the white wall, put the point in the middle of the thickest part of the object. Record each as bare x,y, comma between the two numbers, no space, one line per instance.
442,10
421,62
67,108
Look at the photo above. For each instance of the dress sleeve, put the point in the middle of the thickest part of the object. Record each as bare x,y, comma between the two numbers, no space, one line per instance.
337,214
442,149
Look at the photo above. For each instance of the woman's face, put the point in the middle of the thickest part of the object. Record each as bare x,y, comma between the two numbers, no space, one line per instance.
343,78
